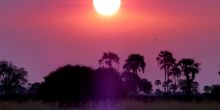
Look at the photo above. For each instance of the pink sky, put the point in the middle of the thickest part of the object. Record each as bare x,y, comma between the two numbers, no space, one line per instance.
42,35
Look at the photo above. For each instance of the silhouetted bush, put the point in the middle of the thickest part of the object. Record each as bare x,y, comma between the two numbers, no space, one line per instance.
80,83
68,83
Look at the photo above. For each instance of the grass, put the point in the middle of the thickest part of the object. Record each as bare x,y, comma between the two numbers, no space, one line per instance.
123,105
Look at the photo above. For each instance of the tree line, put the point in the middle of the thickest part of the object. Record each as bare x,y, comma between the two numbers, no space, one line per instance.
84,83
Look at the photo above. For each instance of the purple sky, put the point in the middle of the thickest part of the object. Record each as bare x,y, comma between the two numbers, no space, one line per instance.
42,35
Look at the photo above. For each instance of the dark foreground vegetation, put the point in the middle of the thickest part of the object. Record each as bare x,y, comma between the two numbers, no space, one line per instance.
123,105
78,84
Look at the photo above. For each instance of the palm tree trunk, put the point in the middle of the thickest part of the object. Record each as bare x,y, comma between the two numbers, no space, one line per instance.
165,80
188,86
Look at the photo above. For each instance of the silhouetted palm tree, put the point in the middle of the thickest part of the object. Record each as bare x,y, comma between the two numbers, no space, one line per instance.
176,72
108,58
190,68
166,61
158,83
135,63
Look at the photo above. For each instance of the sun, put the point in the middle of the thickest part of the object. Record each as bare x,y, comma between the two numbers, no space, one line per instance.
107,7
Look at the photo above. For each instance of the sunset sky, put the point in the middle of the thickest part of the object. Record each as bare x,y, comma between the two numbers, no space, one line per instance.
42,35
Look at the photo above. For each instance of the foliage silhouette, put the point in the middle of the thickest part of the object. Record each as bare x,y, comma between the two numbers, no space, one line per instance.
207,89
107,84
108,58
79,83
131,82
33,89
195,86
173,88
75,83
215,91
157,83
169,83
176,72
166,62
190,68
12,79
68,83
146,86
182,85
135,63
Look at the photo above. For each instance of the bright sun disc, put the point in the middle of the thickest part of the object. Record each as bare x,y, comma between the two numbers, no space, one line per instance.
107,7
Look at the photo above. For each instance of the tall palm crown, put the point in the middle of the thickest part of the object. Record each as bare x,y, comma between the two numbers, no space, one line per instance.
135,63
108,58
190,68
166,61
